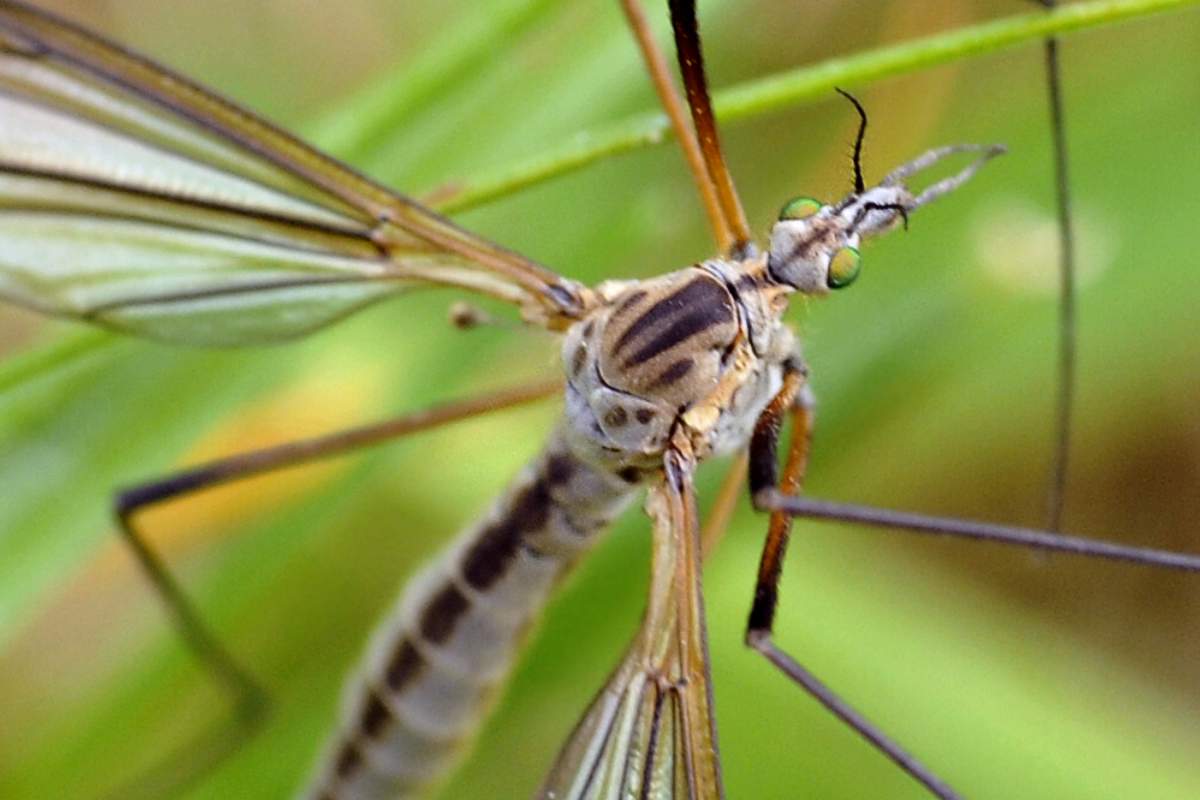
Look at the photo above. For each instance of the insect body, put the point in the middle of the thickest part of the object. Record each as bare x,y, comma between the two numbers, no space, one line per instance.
436,664
678,347
686,361
187,219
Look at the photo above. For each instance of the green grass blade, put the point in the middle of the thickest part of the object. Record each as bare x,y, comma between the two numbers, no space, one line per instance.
805,84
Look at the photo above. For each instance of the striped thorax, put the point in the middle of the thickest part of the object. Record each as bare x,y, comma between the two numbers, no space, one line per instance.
689,348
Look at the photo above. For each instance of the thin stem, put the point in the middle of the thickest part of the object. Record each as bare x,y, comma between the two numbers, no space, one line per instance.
1065,400
805,84
359,124
60,352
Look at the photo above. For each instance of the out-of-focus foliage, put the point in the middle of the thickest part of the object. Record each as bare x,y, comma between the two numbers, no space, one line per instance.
1012,675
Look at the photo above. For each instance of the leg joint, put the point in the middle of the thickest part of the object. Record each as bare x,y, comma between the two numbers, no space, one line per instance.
129,500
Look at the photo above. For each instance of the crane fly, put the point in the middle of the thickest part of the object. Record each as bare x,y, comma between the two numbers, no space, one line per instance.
268,240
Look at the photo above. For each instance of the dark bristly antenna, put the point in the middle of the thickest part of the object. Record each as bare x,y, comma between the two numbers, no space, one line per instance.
1064,411
859,183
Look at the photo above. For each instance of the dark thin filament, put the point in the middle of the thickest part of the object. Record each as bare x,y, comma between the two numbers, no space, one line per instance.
859,183
1065,401
981,531
851,717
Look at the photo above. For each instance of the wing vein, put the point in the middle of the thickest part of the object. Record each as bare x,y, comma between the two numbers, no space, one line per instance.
179,154
184,203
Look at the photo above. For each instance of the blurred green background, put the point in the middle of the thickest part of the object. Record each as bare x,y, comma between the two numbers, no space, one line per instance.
1012,675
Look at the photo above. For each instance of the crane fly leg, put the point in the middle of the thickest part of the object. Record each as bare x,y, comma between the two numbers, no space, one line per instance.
690,55
765,484
699,141
781,498
719,515
664,87
1065,399
208,749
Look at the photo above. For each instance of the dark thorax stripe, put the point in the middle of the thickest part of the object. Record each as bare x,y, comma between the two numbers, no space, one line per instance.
673,373
695,307
681,329
629,302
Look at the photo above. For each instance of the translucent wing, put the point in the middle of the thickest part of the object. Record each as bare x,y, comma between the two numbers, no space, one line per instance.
650,733
133,198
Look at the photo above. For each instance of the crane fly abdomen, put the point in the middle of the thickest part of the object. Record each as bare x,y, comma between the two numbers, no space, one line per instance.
436,664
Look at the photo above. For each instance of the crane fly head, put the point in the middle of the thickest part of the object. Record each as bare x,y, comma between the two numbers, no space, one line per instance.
815,246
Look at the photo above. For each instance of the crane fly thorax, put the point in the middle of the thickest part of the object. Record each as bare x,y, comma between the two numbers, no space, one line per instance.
686,346
664,340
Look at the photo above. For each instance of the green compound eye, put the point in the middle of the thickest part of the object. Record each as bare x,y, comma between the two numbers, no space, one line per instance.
843,268
800,208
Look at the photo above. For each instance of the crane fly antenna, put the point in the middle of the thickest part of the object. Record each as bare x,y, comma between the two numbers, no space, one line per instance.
859,183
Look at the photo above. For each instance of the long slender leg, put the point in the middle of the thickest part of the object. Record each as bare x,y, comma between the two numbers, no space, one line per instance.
660,76
721,512
886,518
1064,403
196,757
763,471
691,67
764,477
784,504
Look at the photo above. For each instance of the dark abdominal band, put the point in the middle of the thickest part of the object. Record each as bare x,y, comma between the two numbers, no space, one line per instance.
435,664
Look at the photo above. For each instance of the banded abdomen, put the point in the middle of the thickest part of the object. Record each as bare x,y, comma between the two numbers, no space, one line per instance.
435,665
